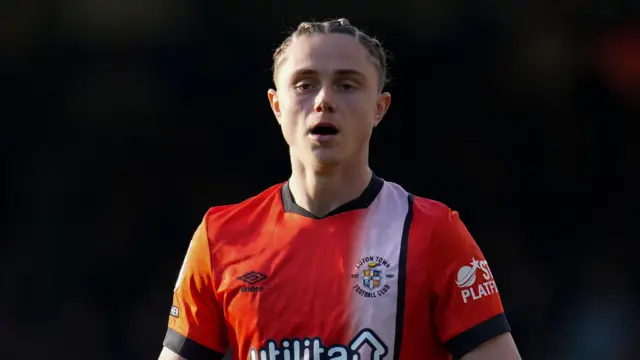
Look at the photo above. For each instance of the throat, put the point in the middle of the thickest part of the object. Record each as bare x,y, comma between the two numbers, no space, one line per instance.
320,195
320,201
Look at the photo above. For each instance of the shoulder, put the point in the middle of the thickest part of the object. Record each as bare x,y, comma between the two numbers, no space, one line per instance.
440,229
439,217
431,218
424,210
428,209
224,220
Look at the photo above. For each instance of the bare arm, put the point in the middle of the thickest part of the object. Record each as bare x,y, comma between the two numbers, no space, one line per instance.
500,347
167,354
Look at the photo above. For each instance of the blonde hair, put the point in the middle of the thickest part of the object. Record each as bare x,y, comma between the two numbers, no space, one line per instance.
339,26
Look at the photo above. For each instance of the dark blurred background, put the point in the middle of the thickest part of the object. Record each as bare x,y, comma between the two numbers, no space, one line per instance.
123,121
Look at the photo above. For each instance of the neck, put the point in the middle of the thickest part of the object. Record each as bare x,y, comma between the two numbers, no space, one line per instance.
321,191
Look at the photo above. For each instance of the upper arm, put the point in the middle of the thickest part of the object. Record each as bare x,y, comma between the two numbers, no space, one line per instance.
197,327
167,354
468,310
500,347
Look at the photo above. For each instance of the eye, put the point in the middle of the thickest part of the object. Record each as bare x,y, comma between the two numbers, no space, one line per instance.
303,86
347,86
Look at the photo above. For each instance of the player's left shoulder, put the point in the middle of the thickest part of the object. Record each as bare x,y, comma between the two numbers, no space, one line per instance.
426,213
429,209
433,220
422,207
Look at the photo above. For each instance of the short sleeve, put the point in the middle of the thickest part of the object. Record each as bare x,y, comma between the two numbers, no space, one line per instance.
197,329
468,310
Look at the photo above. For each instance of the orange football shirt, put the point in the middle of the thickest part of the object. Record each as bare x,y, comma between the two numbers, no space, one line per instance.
385,276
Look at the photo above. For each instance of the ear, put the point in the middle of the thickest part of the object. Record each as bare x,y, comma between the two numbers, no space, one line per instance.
275,103
382,105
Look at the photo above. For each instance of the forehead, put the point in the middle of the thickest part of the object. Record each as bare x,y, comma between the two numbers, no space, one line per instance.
327,53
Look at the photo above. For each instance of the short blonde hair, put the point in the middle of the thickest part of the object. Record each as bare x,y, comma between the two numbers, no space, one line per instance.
339,26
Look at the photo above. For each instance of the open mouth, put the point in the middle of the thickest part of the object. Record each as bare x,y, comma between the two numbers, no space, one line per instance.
324,129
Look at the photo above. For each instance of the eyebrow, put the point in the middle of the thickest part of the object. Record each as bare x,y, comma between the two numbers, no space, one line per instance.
340,72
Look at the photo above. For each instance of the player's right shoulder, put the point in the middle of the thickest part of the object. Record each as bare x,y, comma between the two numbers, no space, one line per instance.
225,222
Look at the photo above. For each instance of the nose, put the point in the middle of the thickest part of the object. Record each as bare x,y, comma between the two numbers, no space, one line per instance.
324,102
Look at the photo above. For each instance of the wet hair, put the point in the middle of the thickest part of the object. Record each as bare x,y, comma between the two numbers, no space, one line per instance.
339,26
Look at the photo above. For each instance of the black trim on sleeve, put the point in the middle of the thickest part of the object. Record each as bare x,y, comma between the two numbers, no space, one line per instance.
463,343
188,348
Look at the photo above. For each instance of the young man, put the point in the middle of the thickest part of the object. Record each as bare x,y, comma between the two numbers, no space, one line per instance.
336,263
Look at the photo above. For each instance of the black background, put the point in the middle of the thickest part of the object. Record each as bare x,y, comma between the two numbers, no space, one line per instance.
124,121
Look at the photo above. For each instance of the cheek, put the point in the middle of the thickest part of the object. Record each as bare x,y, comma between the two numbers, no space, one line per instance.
362,114
289,104
291,121
294,113
302,105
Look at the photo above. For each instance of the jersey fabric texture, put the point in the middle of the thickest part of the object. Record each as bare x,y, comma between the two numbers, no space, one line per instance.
385,276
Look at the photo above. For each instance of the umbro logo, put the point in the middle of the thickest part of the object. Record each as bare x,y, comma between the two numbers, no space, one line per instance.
251,278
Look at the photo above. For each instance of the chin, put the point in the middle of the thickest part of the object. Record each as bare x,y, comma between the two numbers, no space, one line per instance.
324,158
